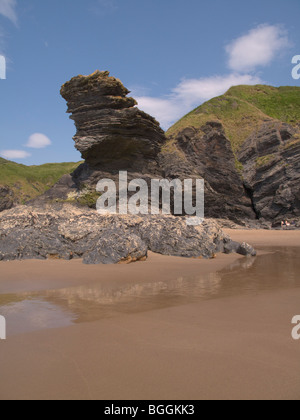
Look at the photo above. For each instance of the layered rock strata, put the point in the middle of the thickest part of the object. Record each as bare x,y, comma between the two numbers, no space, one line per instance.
271,171
206,153
112,133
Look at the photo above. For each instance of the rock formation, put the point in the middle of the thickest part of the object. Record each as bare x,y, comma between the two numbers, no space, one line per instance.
6,198
206,153
248,159
271,173
259,157
67,232
112,133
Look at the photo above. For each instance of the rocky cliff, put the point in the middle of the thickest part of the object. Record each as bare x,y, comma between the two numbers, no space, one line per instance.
246,144
6,198
207,153
271,171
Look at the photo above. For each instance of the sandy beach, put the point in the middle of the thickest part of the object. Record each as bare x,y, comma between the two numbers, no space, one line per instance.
167,328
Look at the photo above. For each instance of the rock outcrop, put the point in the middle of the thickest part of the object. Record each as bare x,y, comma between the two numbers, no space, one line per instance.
112,135
111,131
248,181
271,173
64,231
207,153
259,157
6,198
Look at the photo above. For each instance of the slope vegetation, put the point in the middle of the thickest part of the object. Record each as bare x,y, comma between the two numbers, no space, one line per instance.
28,182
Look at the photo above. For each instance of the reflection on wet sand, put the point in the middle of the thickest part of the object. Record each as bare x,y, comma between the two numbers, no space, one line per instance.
97,300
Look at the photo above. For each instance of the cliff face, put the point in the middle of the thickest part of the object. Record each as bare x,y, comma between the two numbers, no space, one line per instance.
261,182
207,153
6,198
245,144
271,160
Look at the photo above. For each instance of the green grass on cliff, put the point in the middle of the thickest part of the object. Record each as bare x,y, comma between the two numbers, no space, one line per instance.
281,103
28,182
243,109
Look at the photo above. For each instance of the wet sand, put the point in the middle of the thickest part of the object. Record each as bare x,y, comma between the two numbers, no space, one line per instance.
266,238
166,328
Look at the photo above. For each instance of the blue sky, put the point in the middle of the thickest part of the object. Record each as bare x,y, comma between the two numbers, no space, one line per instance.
172,54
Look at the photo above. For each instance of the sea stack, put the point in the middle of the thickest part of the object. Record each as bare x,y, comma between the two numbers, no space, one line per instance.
112,133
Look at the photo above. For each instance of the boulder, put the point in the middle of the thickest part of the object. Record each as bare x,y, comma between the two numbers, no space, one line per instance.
117,246
67,232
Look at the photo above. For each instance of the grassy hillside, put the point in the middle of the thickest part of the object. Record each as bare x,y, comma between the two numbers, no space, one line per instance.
243,109
28,182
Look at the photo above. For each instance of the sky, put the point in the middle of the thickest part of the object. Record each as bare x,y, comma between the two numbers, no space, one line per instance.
172,54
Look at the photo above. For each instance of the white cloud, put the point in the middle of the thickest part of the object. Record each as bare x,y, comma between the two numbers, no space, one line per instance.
14,154
190,93
245,54
193,91
8,9
257,48
104,7
38,141
164,110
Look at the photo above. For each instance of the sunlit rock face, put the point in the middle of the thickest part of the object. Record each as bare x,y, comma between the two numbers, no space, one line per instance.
67,232
111,131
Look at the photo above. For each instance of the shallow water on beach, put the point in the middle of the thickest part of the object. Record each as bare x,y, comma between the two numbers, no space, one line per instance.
25,312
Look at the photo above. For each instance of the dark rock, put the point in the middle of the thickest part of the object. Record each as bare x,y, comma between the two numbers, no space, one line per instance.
206,153
60,191
112,135
117,246
242,249
231,247
271,160
250,187
111,130
65,231
174,237
246,250
6,198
